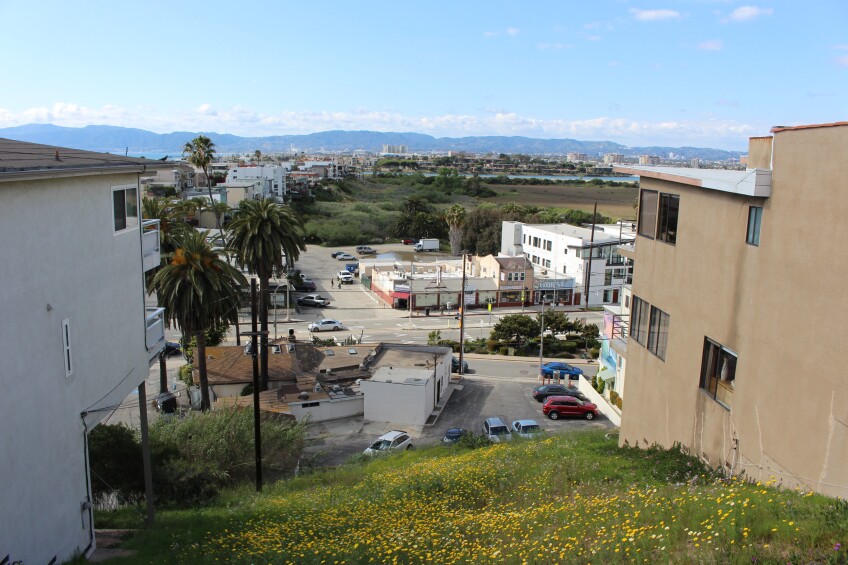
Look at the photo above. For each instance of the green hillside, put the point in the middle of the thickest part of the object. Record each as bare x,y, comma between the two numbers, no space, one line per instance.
573,498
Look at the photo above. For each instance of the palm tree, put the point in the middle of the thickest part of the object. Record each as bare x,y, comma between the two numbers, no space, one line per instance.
171,224
264,235
198,290
455,217
200,151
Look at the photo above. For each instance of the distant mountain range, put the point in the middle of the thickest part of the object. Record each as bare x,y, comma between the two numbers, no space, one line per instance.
138,142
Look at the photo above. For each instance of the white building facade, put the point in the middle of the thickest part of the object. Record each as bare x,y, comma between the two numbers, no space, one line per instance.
77,336
273,177
560,254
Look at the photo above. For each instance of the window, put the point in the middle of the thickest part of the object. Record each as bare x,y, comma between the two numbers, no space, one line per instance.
608,277
66,343
648,213
639,327
755,218
549,246
658,332
718,372
125,207
607,296
667,225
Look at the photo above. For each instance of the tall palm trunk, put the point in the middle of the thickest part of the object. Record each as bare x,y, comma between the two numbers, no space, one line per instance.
212,201
264,283
200,355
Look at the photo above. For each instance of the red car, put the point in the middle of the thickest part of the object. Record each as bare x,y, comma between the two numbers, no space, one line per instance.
556,406
407,241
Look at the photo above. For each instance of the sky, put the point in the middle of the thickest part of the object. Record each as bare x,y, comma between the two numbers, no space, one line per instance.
705,73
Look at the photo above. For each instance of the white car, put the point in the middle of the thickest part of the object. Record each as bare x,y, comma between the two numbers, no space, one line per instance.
345,277
527,429
394,440
321,325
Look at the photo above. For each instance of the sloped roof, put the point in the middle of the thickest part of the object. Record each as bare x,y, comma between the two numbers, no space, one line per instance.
20,158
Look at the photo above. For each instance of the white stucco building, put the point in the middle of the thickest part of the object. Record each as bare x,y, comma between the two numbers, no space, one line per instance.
560,254
77,336
407,383
273,178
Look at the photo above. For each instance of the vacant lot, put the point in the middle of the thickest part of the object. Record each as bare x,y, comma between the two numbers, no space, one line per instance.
615,202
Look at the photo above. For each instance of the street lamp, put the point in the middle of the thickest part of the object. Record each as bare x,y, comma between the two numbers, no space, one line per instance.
462,316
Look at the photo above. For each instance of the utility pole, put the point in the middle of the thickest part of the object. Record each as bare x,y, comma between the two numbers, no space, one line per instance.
462,317
257,436
591,252
541,341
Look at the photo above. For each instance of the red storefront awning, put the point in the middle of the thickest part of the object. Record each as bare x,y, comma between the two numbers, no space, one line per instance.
403,295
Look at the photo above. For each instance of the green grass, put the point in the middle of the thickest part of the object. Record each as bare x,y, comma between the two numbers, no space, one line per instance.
574,498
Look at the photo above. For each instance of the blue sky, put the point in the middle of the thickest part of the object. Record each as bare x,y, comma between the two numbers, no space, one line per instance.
666,72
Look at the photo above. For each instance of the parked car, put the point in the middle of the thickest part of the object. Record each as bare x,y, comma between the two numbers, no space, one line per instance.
541,393
455,365
528,429
394,440
172,348
345,257
322,325
557,406
365,250
335,254
496,430
312,300
560,367
408,241
345,277
453,435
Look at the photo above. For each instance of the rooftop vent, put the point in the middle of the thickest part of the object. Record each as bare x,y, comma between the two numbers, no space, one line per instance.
303,395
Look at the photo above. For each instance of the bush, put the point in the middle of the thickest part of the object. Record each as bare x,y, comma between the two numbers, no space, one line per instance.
594,352
115,460
503,350
186,376
474,441
615,399
569,346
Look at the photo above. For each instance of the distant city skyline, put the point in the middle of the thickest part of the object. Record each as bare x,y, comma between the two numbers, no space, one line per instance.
707,73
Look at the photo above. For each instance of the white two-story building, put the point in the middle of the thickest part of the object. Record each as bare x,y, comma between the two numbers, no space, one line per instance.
560,255
76,335
272,177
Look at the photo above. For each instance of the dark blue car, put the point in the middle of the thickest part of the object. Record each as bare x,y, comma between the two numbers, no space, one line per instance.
560,368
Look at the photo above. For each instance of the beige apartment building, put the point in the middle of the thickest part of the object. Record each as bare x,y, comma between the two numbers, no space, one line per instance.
738,293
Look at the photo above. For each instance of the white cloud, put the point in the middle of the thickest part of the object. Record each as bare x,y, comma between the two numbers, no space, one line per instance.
654,15
510,31
711,45
748,13
246,122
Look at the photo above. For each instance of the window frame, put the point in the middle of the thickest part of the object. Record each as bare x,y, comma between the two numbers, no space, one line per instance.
658,324
647,216
666,215
67,355
126,209
639,314
711,361
752,236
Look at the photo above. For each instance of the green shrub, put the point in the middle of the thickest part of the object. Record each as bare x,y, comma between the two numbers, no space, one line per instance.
115,461
474,441
594,352
569,346
503,350
186,376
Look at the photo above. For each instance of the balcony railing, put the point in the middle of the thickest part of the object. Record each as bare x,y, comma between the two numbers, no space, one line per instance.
155,334
150,244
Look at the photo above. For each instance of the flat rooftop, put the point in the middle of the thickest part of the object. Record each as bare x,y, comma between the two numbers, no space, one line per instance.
752,182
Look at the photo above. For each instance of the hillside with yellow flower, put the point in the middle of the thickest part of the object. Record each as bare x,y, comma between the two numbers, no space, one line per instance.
574,498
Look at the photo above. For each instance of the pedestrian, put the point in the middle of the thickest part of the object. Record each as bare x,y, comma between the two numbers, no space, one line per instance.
332,282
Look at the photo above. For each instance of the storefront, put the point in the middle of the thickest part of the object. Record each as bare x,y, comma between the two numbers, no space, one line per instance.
555,291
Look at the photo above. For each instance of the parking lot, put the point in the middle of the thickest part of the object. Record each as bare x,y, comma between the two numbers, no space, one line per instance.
471,402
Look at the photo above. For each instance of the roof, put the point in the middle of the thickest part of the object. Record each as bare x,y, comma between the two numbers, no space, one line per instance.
20,159
402,376
575,231
509,263
752,182
409,356
777,129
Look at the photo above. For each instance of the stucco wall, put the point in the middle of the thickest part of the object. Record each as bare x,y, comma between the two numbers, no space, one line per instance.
62,260
398,403
774,305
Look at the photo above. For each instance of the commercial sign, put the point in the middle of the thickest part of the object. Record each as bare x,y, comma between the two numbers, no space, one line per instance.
553,284
401,288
